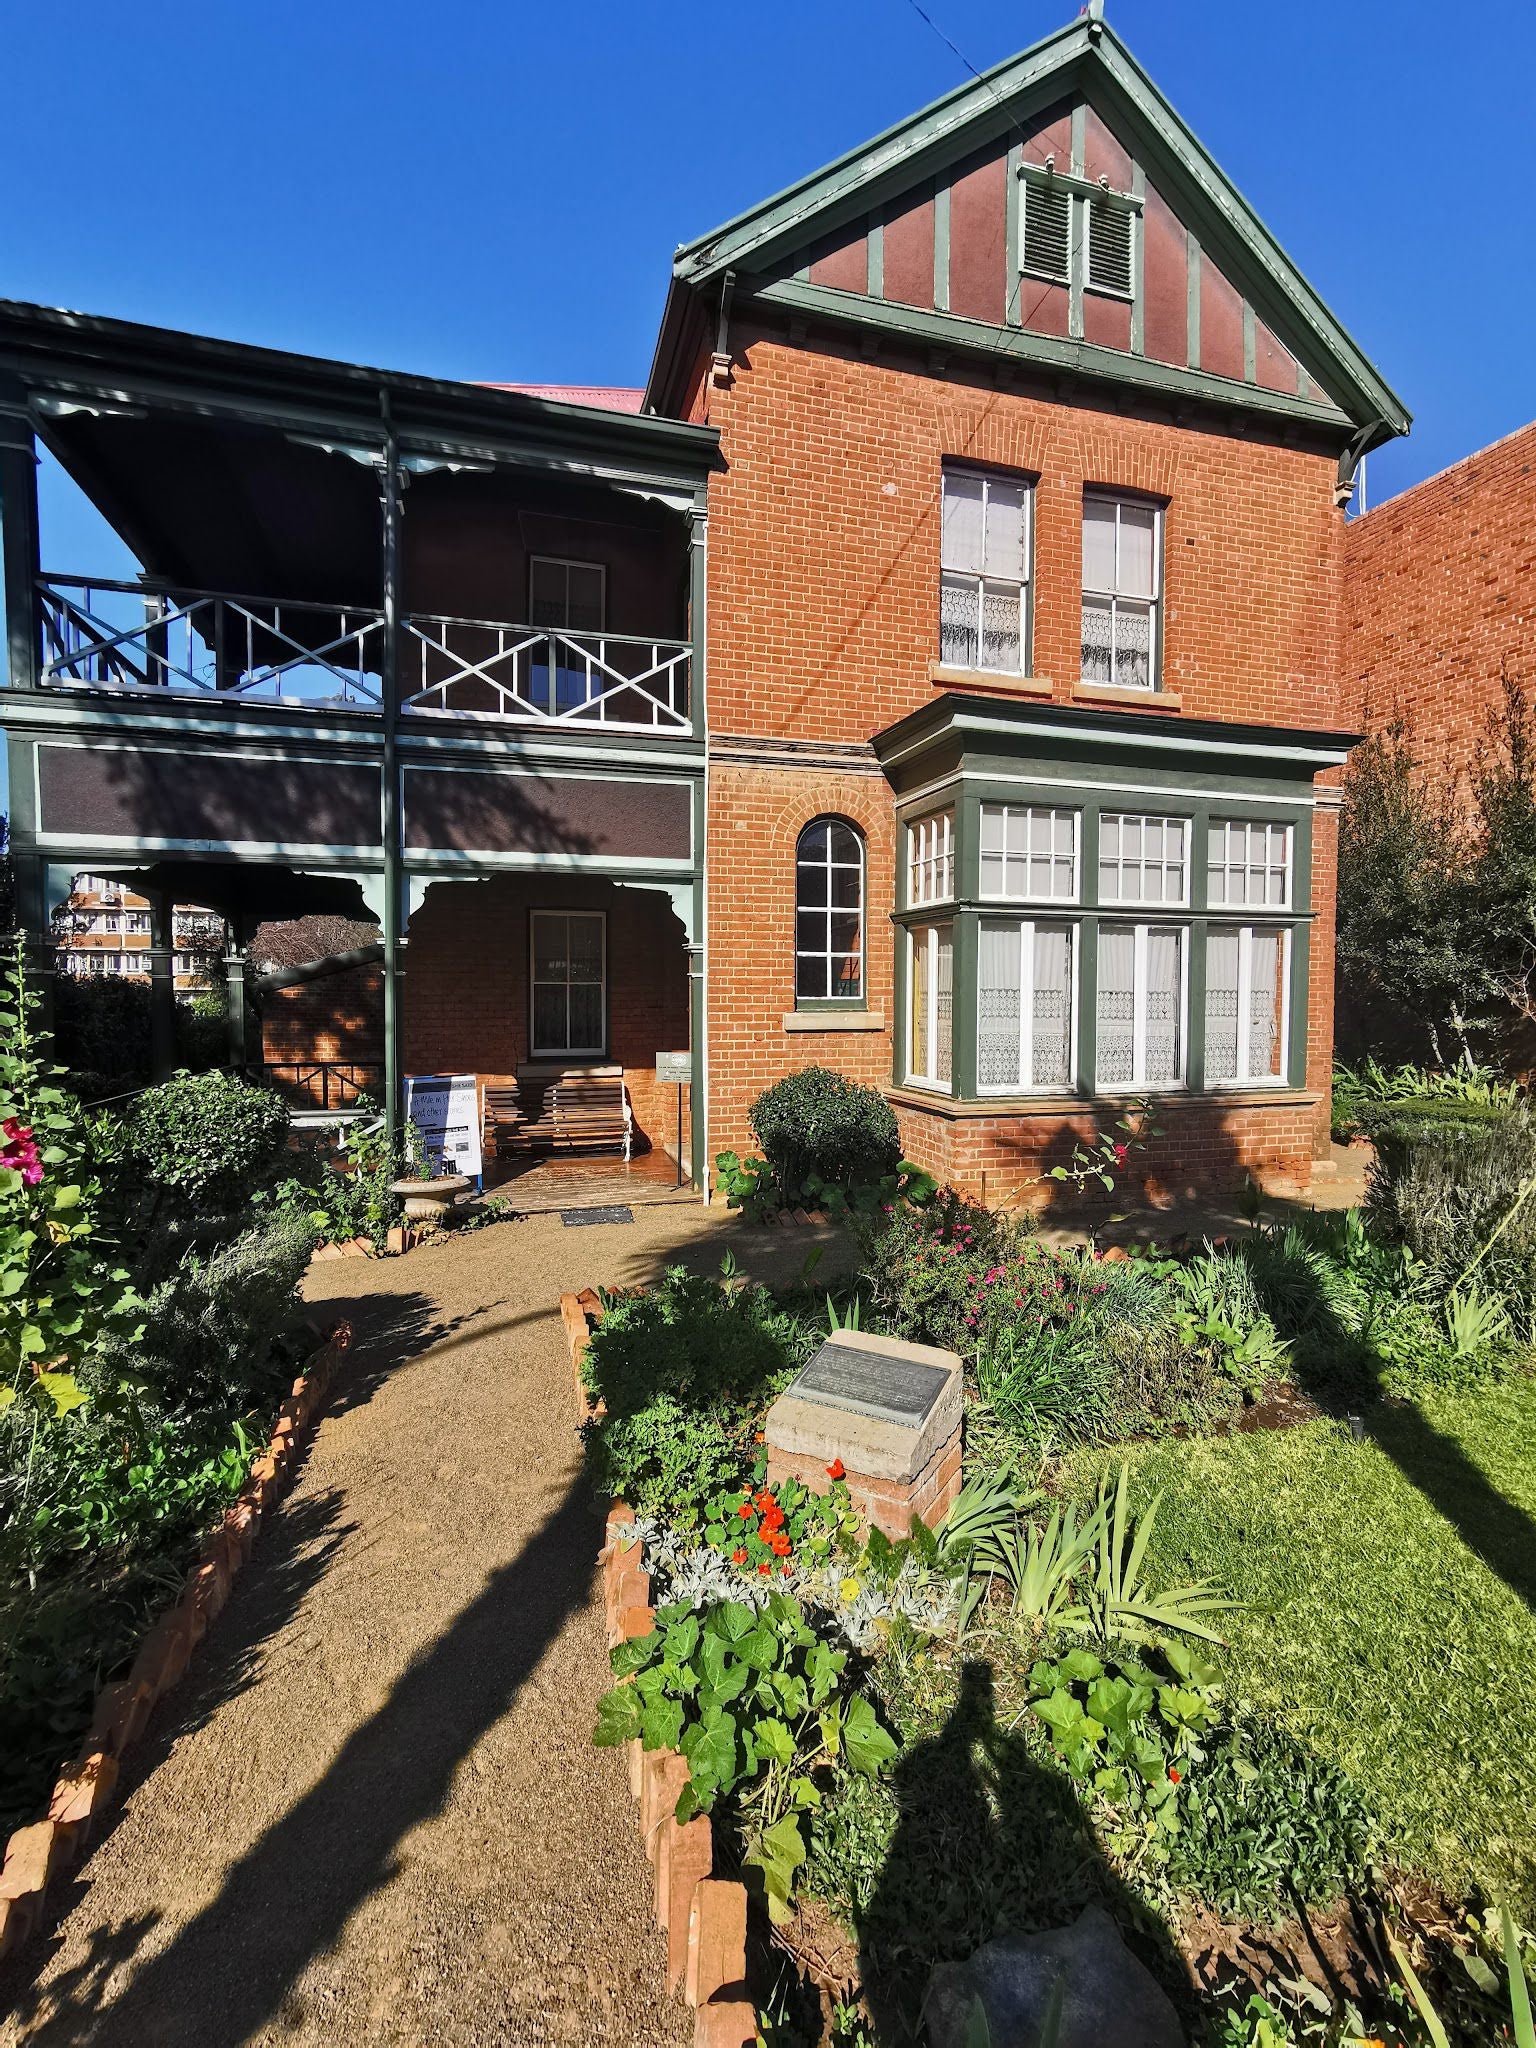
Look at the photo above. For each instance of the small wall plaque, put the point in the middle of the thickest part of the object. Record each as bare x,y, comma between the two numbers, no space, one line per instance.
891,1389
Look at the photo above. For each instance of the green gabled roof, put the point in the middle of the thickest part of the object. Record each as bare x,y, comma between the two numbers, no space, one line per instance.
1085,56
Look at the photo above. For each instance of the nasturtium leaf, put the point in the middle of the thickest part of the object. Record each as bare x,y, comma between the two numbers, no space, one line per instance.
661,1724
865,1743
618,1717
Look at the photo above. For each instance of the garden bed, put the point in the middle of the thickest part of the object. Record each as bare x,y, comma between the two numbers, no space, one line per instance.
40,1853
1126,1672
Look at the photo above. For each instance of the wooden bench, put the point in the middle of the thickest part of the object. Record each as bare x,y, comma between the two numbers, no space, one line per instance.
581,1109
503,1118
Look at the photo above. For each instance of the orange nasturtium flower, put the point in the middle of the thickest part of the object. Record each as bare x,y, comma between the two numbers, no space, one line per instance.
837,1469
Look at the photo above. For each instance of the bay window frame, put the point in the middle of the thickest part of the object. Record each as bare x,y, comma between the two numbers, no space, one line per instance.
1092,796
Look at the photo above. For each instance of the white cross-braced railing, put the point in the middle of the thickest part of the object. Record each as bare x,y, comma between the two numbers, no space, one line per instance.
483,669
129,637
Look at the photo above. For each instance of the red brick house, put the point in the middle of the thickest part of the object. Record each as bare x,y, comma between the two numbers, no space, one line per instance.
1440,604
931,679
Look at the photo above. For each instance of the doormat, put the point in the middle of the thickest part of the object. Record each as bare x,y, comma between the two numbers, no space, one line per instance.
615,1212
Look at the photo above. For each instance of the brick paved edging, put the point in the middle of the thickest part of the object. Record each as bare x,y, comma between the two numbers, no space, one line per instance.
38,1854
704,1917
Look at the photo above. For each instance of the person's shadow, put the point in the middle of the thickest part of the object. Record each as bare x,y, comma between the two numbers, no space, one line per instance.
988,1842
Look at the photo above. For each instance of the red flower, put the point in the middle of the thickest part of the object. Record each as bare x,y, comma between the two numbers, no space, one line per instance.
745,1511
765,1569
1122,1153
738,1557
784,1567
1174,1774
837,1469
778,1543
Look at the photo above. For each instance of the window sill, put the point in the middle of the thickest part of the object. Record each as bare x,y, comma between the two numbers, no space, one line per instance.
1117,693
1003,680
914,1095
834,1020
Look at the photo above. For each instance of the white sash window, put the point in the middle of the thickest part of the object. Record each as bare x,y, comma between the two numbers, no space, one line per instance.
1142,997
1247,1001
1025,1007
930,1004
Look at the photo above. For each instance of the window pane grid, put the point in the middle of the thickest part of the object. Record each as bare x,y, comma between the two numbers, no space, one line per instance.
568,982
931,867
1028,851
1139,1029
1120,592
1143,859
829,913
1248,865
984,560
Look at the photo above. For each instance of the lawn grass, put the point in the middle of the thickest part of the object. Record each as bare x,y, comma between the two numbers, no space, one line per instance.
1373,1627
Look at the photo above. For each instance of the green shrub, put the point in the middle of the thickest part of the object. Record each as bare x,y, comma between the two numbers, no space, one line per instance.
684,1371
757,1703
209,1141
59,1295
820,1125
209,1327
1266,1826
1459,1199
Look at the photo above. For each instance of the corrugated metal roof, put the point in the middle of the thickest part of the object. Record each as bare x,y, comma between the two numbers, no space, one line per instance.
605,397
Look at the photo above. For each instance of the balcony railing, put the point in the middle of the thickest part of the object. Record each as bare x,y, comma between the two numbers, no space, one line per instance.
126,637
130,638
477,668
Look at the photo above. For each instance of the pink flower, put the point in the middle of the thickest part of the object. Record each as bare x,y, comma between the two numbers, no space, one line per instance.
1122,1153
19,1152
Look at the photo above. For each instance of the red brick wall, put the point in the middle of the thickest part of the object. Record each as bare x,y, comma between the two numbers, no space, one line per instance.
1440,600
823,595
1203,1146
824,545
756,815
466,983
339,1018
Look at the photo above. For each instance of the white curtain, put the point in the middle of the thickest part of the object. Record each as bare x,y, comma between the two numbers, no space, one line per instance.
1114,1059
944,1007
998,993
1052,1007
1164,1008
1221,998
962,536
1265,1033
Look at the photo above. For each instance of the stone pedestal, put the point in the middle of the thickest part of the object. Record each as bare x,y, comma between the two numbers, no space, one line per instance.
890,1411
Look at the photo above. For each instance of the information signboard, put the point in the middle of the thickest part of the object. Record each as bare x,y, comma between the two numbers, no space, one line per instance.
445,1108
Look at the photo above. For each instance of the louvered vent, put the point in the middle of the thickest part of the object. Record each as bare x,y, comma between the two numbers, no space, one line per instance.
1047,231
1109,249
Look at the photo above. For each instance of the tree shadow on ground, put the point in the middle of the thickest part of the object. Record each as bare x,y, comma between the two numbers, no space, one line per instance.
223,1977
988,1841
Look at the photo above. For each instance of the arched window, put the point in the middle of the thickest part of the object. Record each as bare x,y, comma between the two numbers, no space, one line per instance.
829,913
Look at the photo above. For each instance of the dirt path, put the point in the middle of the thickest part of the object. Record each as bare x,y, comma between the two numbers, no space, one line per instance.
371,1814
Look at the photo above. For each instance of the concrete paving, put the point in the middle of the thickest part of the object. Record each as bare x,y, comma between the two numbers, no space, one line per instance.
372,1813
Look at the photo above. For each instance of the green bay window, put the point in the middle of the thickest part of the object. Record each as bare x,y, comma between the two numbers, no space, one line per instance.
1054,944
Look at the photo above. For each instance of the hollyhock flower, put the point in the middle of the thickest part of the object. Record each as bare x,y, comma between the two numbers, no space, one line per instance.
836,1469
19,1151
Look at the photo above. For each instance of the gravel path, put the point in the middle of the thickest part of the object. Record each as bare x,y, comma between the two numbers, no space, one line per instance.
371,1814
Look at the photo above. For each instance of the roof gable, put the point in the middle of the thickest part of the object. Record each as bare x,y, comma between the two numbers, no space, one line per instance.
1215,307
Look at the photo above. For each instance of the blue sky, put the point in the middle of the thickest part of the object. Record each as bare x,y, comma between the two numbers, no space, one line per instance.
494,191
